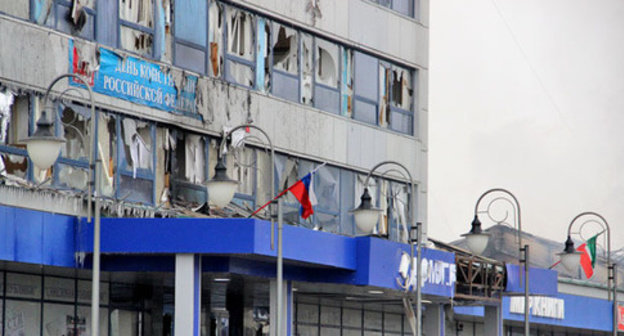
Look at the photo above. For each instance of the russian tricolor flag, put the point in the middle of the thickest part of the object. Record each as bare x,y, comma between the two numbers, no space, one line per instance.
303,190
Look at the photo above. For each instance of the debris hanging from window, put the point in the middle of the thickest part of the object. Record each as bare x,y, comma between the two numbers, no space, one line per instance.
285,49
347,82
240,33
137,141
385,83
216,38
306,69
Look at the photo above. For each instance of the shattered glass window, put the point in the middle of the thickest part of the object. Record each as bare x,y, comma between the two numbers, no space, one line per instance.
401,95
76,129
137,26
307,71
241,28
366,88
215,38
73,17
14,117
284,49
326,93
137,143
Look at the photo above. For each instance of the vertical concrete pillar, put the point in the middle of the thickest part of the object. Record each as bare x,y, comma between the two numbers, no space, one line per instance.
433,320
493,321
187,295
288,308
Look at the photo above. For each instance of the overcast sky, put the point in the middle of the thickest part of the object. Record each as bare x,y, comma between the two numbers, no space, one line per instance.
527,95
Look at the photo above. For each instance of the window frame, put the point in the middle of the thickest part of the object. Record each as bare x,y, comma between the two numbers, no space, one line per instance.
175,40
178,183
122,167
54,13
135,26
227,56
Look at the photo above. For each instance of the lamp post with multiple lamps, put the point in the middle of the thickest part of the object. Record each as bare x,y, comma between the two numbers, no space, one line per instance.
477,240
366,216
221,190
570,258
43,149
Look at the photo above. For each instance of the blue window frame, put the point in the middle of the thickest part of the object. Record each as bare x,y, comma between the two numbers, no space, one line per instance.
188,166
405,7
366,88
285,68
137,21
401,95
73,122
61,15
190,32
240,46
136,162
327,70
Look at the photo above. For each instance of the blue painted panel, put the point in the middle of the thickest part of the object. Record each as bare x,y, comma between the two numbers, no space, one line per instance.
28,236
541,281
579,312
171,235
58,244
36,237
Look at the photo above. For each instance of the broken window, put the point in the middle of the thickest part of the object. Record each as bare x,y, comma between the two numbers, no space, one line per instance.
240,47
366,88
190,34
327,191
385,87
76,17
284,51
215,38
242,163
14,112
263,70
346,89
107,150
326,93
136,19
188,166
400,85
399,212
136,172
74,124
306,69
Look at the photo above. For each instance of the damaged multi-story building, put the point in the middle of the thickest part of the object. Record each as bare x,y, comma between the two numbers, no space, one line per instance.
338,86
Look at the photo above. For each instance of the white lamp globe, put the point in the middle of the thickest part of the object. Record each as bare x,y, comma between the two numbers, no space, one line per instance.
570,258
476,239
43,147
365,215
221,188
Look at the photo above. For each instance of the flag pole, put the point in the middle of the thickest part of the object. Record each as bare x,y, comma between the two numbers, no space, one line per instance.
284,192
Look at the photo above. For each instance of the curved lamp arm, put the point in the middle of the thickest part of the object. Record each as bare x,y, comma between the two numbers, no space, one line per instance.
515,202
83,81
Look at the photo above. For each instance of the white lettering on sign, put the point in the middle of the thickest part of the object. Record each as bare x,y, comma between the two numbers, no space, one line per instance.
539,306
434,272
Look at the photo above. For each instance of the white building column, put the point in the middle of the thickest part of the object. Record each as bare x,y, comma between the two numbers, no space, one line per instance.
187,315
433,320
493,320
288,308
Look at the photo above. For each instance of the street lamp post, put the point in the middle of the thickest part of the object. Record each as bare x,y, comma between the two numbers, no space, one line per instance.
221,189
43,150
477,240
366,217
570,258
